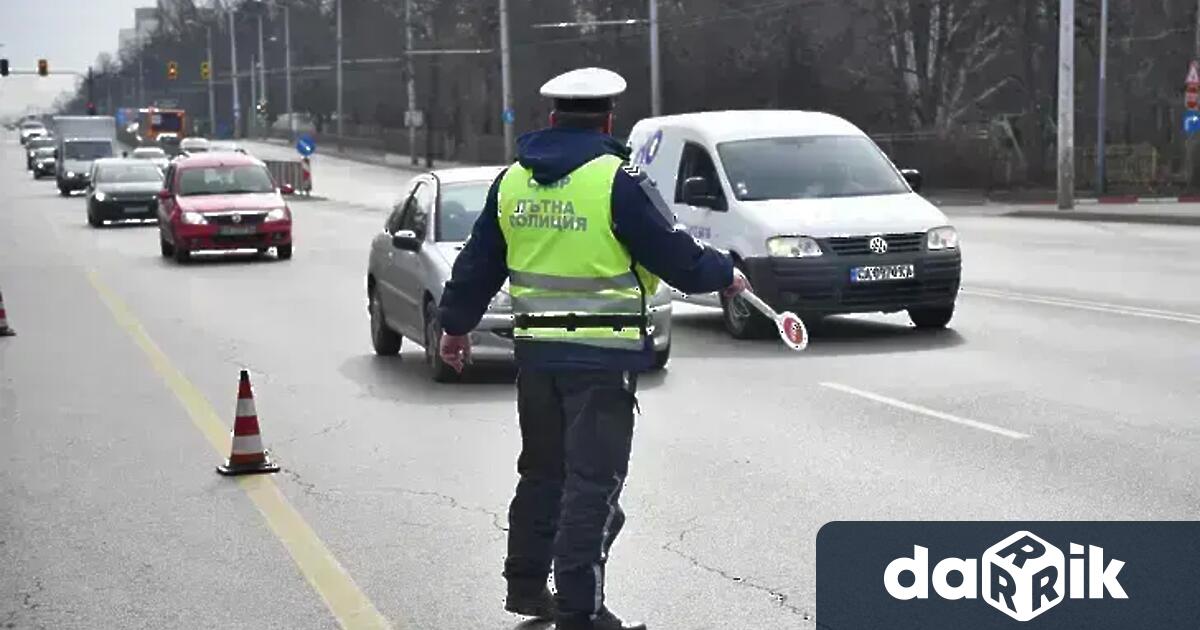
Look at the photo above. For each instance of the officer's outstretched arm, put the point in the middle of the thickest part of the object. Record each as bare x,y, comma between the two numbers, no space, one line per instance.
645,225
479,272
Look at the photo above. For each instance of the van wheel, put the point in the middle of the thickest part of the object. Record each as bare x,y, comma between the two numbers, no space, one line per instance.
384,340
744,321
931,318
438,369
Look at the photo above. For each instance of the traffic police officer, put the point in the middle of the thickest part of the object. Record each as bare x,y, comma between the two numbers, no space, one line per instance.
583,239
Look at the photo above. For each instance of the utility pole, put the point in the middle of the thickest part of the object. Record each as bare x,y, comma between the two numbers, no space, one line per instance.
341,115
506,83
1066,105
91,80
411,117
262,71
287,63
212,96
252,122
233,73
1190,154
1102,102
655,69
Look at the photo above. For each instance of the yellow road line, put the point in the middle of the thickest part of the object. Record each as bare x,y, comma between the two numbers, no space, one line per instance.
328,578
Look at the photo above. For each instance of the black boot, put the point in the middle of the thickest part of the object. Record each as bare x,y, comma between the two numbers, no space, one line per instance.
605,620
531,603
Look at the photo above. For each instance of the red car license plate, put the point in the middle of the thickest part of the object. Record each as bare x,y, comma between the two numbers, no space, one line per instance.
236,230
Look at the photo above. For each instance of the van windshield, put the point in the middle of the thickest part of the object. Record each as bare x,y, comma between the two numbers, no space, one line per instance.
87,150
813,167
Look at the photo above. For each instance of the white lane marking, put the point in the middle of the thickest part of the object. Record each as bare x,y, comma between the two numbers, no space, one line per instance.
1101,307
925,411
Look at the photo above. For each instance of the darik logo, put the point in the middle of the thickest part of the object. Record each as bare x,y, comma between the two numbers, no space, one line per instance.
1023,576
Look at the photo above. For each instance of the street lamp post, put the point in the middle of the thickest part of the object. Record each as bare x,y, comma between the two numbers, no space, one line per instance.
287,64
341,115
262,71
212,98
237,107
505,83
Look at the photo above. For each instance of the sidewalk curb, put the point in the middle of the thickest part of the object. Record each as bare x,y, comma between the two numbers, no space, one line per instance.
1109,217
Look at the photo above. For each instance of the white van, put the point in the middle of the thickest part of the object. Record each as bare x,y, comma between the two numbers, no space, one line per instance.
813,211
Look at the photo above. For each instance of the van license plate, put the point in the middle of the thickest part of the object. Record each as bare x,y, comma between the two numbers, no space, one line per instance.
881,273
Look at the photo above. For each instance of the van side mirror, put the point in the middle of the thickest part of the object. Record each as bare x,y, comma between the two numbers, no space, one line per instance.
696,192
406,240
914,178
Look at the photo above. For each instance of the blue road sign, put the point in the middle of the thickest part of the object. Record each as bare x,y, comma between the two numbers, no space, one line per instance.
306,146
508,116
1191,122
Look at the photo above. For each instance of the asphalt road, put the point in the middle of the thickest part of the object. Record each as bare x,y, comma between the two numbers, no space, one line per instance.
1066,389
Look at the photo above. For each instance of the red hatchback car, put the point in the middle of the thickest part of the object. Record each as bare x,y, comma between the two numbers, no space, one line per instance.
222,202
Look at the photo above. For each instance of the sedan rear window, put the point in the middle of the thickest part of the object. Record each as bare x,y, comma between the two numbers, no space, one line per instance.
225,180
87,150
817,167
461,204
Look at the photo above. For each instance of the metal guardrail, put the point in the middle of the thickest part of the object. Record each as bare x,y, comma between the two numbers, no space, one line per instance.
296,173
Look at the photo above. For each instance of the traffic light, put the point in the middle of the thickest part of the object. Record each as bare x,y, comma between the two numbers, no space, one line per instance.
43,67
205,70
172,70
3,67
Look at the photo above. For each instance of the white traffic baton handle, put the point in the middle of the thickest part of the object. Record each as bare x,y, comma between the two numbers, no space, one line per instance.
791,327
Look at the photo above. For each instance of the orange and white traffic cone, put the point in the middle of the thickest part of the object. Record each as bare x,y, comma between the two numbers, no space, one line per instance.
5,331
246,454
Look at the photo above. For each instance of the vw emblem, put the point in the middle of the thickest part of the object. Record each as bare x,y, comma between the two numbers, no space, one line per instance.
878,245
237,218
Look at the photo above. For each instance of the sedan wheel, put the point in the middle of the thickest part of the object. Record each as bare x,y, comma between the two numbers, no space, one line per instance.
385,340
438,369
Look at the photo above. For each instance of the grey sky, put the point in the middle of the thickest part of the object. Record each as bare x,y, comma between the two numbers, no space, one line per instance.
68,33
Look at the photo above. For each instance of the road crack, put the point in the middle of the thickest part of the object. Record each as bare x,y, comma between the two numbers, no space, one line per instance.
777,595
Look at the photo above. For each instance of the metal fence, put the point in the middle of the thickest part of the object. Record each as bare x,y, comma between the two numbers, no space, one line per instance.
295,173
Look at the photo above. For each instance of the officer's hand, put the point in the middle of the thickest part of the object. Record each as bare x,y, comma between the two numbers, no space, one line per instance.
455,351
740,283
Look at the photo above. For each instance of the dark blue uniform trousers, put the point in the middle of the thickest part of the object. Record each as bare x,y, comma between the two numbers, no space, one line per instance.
576,432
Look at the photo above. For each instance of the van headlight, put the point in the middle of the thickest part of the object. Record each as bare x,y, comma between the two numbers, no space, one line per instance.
940,238
194,218
793,247
70,174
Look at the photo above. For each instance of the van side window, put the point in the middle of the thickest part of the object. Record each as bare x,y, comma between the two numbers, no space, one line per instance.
695,162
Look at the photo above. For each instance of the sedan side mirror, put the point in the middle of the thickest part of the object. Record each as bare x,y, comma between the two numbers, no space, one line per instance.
287,189
914,178
164,194
696,192
406,240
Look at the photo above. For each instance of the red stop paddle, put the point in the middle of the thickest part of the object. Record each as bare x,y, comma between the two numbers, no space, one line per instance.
791,328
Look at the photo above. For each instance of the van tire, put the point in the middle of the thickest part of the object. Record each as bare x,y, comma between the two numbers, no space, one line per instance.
931,318
743,321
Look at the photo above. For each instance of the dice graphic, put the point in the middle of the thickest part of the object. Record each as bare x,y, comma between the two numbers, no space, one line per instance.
1023,576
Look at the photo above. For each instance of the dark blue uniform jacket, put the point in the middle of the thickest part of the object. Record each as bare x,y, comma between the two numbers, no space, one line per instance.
640,225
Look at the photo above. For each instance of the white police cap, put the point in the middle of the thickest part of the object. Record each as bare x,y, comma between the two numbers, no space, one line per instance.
584,83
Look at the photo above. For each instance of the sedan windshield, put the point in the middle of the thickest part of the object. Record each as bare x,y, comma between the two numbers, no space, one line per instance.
816,167
87,150
225,180
461,205
128,174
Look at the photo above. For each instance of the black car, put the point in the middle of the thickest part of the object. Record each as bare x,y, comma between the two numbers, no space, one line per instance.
43,162
32,145
121,189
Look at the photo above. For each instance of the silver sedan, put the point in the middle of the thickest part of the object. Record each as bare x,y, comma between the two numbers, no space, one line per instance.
411,259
